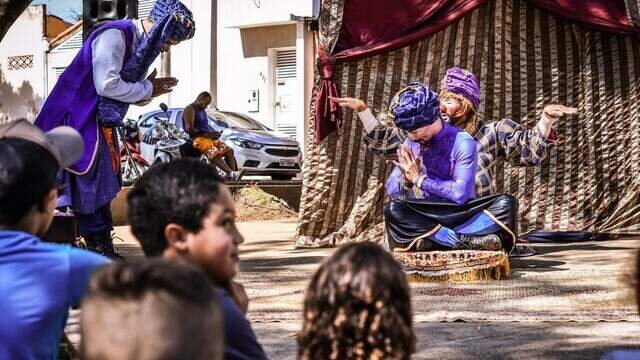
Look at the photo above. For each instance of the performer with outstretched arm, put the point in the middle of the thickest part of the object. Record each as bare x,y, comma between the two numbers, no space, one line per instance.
460,99
433,201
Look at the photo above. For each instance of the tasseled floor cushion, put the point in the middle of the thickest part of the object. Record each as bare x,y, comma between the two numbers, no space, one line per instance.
454,265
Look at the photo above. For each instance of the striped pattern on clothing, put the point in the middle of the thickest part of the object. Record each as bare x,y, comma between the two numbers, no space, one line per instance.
499,140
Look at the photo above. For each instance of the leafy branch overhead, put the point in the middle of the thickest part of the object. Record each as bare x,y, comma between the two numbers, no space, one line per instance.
10,10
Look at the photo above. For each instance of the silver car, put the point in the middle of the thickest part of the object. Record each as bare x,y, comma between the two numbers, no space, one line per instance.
257,149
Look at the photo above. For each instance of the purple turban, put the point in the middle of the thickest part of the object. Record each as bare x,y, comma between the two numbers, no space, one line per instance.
415,106
461,82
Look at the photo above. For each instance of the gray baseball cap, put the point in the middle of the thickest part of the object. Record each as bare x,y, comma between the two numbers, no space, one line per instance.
63,142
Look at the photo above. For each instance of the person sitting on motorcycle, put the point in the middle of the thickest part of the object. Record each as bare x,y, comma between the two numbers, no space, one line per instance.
206,140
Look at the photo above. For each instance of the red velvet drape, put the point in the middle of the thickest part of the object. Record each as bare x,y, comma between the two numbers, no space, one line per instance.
605,15
370,27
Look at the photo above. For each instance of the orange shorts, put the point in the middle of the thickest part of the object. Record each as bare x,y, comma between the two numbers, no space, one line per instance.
211,148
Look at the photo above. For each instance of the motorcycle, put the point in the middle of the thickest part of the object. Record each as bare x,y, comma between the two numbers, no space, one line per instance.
166,138
133,163
168,141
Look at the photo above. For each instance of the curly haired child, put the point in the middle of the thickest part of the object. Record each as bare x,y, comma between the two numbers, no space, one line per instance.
357,306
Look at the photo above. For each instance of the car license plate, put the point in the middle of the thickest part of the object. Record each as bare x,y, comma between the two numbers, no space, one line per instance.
287,162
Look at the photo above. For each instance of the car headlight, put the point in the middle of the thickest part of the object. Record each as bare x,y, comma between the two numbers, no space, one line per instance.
247,144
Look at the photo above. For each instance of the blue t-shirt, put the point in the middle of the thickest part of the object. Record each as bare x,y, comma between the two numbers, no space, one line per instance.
240,340
38,284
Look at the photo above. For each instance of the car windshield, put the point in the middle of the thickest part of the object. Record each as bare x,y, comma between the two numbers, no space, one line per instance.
237,121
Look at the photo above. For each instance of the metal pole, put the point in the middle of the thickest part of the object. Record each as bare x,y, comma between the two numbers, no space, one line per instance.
126,147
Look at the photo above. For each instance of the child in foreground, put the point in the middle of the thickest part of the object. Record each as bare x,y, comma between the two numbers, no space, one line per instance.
161,310
182,211
357,306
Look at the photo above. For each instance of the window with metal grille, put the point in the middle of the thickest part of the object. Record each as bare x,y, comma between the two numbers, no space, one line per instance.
57,71
285,78
286,64
20,62
74,42
144,8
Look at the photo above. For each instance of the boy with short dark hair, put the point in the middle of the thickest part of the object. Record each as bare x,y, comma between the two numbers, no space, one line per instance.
163,310
38,281
182,211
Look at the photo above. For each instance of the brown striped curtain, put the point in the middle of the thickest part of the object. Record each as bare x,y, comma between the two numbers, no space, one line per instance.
525,58
633,11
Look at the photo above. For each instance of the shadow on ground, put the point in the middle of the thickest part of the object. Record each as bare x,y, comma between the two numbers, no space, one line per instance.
562,341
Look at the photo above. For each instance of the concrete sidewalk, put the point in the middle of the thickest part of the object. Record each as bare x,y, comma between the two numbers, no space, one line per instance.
276,275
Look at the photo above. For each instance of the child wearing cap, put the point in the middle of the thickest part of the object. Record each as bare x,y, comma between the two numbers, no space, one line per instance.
38,281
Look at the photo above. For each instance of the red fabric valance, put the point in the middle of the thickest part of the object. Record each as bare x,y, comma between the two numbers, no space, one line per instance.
371,27
605,15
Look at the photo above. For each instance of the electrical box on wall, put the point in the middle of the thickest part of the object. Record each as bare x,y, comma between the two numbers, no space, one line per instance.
254,101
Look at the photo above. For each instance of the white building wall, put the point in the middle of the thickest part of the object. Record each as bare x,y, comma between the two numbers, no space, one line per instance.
216,60
243,66
60,57
249,13
190,62
22,90
237,75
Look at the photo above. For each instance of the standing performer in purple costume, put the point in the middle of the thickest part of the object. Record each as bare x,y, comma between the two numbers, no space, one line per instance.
93,96
432,188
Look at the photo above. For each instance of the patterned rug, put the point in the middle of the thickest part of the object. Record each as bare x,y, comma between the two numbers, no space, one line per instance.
577,296
564,282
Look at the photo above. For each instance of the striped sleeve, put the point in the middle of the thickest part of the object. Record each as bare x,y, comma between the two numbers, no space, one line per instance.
385,141
520,146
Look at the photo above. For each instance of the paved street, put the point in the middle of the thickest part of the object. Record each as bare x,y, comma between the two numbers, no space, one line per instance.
569,302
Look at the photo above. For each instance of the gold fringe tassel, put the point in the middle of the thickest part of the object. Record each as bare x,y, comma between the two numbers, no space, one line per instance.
498,272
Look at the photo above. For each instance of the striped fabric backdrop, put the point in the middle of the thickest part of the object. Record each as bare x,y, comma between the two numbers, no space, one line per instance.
525,58
633,11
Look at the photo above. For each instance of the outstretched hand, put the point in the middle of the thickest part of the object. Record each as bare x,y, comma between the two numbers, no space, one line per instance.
351,103
409,165
556,110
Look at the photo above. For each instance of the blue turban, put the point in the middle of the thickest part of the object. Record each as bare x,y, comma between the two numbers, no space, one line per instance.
415,106
171,21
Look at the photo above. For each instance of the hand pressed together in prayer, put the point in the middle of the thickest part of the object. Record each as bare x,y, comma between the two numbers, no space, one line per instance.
351,103
162,85
409,165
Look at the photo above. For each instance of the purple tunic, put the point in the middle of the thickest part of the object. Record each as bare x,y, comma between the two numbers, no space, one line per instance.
74,99
449,164
202,121
92,181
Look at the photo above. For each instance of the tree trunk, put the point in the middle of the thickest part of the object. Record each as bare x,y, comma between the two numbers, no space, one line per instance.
10,10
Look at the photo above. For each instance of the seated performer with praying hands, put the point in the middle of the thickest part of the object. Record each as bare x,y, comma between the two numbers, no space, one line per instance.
433,202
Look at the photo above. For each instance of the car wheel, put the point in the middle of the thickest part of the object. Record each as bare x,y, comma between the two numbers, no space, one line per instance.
281,177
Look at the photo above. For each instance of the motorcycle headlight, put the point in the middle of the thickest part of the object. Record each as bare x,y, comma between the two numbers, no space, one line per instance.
247,144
